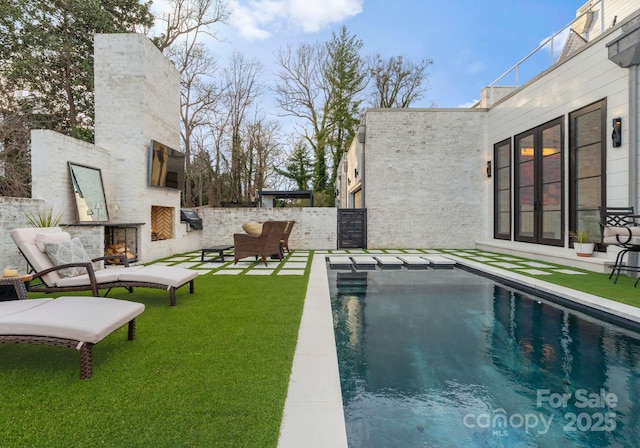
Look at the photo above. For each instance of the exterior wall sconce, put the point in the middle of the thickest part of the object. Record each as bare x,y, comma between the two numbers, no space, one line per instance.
337,193
489,168
355,172
616,135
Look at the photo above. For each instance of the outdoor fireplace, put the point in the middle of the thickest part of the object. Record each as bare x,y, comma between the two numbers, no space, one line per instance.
161,223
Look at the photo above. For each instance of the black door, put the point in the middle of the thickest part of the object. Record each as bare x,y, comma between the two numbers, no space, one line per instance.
539,204
352,228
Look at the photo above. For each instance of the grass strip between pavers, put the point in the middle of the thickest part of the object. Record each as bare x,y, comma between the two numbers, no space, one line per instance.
212,371
595,283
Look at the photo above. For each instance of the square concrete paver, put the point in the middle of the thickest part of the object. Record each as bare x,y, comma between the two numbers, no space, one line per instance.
260,272
506,265
536,264
294,265
568,271
482,258
534,272
291,272
228,272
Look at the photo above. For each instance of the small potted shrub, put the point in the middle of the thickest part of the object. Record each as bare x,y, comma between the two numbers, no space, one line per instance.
581,243
43,219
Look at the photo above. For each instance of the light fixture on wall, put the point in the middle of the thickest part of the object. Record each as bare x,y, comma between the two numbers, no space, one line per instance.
337,192
355,172
616,134
489,168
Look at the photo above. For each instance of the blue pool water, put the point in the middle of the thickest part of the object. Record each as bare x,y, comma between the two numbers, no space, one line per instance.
448,358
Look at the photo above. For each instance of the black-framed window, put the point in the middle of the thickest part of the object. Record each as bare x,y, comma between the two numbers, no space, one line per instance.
502,190
587,167
539,184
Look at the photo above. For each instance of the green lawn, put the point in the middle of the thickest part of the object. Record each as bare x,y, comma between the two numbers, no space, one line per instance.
211,372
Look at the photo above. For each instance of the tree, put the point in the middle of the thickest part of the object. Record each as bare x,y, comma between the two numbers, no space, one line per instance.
303,93
261,148
242,79
47,50
320,84
298,166
396,81
15,156
346,75
199,95
188,16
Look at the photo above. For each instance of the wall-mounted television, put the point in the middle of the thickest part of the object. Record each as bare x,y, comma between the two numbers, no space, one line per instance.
166,166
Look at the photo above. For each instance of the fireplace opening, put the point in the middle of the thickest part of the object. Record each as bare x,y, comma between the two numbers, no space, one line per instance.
161,223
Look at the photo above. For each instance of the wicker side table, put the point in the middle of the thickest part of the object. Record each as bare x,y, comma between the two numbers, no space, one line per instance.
18,283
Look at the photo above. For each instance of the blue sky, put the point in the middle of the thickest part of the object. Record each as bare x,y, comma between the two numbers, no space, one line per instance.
471,42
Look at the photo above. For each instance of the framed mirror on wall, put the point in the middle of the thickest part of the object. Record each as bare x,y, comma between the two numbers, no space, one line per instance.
88,190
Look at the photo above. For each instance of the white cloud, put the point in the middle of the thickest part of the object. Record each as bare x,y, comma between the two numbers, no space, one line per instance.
469,104
257,19
475,67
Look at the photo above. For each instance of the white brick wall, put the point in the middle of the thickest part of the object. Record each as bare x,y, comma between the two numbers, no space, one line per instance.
138,99
425,183
315,228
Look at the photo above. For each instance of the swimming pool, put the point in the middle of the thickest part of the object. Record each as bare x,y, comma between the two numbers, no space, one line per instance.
453,359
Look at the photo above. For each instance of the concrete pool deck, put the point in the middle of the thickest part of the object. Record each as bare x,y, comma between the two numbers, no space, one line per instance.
313,413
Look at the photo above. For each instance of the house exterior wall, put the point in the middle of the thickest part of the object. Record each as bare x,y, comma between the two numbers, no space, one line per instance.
424,177
585,78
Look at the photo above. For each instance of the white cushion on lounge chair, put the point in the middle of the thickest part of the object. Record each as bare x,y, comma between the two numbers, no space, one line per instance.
162,277
44,238
25,239
85,319
102,276
10,307
167,275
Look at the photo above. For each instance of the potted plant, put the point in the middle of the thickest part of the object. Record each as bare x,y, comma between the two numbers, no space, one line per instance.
43,219
581,243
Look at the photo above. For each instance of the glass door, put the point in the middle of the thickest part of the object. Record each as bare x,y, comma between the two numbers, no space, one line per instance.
539,202
587,168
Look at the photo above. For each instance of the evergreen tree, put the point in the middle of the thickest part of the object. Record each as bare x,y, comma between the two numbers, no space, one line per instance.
298,166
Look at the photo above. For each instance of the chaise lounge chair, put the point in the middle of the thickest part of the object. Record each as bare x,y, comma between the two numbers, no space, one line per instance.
264,245
72,269
74,322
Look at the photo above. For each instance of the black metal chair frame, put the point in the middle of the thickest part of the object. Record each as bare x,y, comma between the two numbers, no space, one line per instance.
622,217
